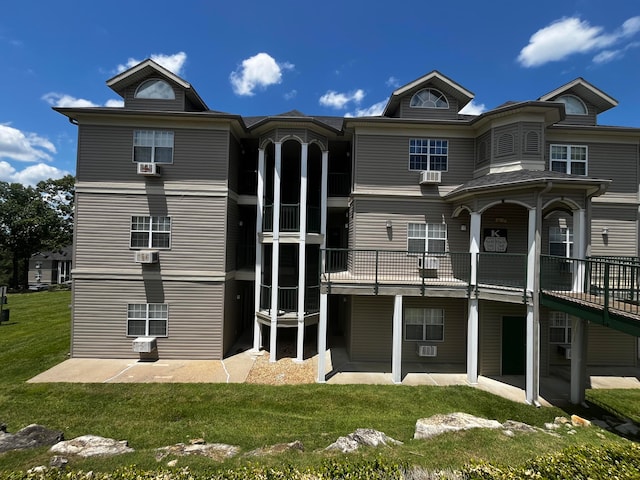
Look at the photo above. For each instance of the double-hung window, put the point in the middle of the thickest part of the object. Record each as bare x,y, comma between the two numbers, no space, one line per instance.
560,242
428,154
569,159
153,146
559,328
147,319
150,232
424,324
426,237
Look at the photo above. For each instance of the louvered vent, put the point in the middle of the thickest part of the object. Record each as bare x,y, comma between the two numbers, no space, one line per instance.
532,142
505,144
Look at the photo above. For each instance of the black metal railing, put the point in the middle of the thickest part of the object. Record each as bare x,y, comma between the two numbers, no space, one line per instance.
502,270
288,299
338,184
290,218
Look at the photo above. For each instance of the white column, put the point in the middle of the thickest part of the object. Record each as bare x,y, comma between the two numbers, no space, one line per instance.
275,257
579,336
532,373
396,355
531,251
257,326
323,197
579,249
473,330
302,249
322,338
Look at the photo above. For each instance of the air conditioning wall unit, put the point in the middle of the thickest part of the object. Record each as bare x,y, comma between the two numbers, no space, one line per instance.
148,169
145,344
426,350
146,256
430,176
428,263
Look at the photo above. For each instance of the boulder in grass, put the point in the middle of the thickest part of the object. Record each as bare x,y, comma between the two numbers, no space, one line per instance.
91,446
450,422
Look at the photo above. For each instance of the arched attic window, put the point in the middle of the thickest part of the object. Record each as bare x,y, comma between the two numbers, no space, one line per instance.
156,89
572,105
429,98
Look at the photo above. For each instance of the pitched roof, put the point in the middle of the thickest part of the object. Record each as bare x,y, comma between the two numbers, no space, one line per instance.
147,68
585,90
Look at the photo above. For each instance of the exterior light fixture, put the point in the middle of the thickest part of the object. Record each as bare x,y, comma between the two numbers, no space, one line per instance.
389,224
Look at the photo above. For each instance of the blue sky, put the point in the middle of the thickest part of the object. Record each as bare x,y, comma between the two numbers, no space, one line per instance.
322,58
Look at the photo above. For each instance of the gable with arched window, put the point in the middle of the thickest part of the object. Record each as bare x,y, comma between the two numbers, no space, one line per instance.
429,98
155,89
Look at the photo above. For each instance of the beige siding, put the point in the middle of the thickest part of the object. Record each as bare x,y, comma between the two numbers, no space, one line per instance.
610,347
491,314
452,351
232,323
382,162
233,234
106,155
100,318
622,223
371,328
197,231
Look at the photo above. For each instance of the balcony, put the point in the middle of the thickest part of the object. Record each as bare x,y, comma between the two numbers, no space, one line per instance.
288,299
290,218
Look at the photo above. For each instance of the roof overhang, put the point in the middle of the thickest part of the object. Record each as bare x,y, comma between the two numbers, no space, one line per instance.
585,90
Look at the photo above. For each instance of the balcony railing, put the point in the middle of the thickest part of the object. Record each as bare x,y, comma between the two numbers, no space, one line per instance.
338,184
288,299
290,218
502,270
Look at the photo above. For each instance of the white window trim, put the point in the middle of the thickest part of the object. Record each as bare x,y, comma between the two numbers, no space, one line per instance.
568,160
150,232
441,95
153,147
566,239
568,95
426,238
566,327
428,155
136,94
146,321
424,325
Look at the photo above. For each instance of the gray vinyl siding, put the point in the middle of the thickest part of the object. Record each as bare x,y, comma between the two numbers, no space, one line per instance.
233,216
105,154
490,341
231,316
235,153
383,162
612,161
451,351
103,224
371,328
133,103
590,119
100,318
451,113
622,222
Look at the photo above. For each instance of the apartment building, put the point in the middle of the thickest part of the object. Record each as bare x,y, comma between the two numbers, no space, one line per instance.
423,239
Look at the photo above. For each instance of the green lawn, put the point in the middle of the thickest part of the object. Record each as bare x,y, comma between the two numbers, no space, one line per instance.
250,416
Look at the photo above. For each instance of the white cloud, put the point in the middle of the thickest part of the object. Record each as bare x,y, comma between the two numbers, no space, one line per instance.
374,110
24,146
609,55
259,71
473,108
114,103
174,63
392,82
30,175
338,101
291,95
64,100
569,36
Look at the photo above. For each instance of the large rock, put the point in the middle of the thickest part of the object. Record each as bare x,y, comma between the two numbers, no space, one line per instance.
362,437
31,436
276,449
215,451
91,446
451,422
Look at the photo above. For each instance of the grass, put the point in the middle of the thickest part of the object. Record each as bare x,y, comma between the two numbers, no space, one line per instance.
250,416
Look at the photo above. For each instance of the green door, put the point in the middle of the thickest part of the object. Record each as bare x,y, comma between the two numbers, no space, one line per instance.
514,345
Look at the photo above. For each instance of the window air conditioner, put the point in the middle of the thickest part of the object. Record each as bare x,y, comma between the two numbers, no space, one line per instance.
427,350
428,263
430,176
149,169
146,256
145,344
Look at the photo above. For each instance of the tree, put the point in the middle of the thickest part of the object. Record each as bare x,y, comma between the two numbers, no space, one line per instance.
26,221
60,195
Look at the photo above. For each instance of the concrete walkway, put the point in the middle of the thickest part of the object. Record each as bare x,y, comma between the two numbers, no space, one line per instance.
236,368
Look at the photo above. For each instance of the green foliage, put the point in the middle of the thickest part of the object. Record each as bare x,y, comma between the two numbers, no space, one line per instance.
620,461
59,195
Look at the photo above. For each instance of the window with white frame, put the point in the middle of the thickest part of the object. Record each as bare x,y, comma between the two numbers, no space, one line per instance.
153,146
428,154
561,241
569,159
559,328
147,319
150,232
426,237
572,105
155,89
429,98
424,324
